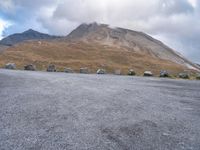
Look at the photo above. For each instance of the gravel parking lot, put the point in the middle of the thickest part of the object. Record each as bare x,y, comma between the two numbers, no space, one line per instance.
58,111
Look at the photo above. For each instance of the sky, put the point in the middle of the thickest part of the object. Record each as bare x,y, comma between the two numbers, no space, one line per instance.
174,22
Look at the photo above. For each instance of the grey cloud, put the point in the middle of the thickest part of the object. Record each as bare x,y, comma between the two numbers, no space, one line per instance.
170,7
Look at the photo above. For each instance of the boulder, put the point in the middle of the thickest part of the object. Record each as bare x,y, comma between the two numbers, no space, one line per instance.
131,72
30,67
184,75
117,72
51,68
84,70
164,74
10,66
198,76
148,74
101,71
68,70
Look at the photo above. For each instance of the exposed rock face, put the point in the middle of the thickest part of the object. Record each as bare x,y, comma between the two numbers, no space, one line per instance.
10,66
148,74
51,68
27,35
184,75
30,67
131,72
101,71
164,74
84,70
68,70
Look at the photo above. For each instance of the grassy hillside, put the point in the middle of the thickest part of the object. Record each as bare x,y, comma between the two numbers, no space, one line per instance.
79,54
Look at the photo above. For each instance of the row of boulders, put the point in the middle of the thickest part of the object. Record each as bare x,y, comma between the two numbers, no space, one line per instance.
131,72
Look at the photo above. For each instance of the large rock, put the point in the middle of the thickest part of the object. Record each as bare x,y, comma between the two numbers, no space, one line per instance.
164,74
51,68
184,75
84,70
148,74
30,67
131,72
101,71
68,70
10,66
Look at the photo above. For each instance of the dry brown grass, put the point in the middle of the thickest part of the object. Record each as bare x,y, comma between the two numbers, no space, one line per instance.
78,54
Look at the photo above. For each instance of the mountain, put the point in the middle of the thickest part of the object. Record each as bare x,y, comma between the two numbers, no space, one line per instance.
134,41
99,46
27,35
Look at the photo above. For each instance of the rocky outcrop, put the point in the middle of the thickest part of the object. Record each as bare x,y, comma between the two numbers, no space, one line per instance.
164,74
10,66
101,71
51,68
148,74
68,70
84,70
30,67
184,75
131,72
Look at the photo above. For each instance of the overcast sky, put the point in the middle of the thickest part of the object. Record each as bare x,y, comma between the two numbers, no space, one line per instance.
175,22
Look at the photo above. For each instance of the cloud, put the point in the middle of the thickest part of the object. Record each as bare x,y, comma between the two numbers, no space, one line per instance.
3,25
175,22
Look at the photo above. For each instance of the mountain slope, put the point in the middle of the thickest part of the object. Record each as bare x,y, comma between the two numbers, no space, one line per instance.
27,35
99,46
2,48
127,40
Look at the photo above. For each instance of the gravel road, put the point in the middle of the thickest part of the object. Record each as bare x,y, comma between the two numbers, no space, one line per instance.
58,111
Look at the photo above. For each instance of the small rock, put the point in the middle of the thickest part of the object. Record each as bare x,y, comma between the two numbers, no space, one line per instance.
184,75
101,71
164,74
117,72
131,72
51,68
10,66
148,74
84,70
30,67
68,70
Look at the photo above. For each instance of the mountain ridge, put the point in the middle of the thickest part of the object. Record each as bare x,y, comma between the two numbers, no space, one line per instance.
29,34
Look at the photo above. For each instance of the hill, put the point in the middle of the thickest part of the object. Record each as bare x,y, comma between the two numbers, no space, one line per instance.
27,35
99,46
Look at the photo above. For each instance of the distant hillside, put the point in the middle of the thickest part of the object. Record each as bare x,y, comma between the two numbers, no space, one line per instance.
99,46
2,48
27,35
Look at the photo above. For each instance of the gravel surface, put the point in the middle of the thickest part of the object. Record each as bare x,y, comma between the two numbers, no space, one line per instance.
57,111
